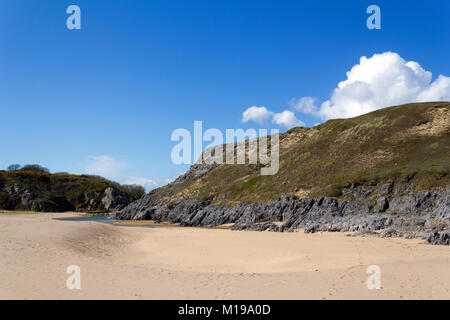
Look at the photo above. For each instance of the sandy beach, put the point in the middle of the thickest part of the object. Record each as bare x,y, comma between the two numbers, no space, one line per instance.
132,262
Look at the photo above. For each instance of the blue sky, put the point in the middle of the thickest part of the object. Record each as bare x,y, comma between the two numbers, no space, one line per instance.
106,98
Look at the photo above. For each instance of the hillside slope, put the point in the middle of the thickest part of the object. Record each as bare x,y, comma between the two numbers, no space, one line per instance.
409,142
393,160
46,192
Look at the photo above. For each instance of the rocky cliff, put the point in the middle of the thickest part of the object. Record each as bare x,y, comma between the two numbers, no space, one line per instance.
45,192
386,172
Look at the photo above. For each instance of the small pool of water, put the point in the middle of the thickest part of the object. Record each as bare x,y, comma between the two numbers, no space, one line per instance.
105,219
110,220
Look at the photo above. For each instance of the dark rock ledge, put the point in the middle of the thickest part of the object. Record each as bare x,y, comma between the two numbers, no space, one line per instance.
424,214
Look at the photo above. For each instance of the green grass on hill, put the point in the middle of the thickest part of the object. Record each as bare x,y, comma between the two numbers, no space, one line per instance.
406,144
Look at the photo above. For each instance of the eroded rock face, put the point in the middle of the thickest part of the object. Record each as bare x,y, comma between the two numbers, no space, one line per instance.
109,200
424,214
113,200
26,197
195,171
442,238
382,205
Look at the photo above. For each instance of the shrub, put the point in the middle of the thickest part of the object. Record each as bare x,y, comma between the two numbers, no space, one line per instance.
35,167
135,191
13,167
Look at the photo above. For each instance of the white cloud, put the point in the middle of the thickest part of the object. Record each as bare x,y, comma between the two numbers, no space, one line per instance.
257,114
287,119
148,184
109,168
260,115
438,90
305,105
380,81
104,166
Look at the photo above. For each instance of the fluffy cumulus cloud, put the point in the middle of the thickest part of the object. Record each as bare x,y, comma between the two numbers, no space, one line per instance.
109,168
304,105
380,81
287,119
257,114
261,115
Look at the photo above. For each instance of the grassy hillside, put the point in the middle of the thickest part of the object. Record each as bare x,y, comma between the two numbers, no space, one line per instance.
405,144
37,190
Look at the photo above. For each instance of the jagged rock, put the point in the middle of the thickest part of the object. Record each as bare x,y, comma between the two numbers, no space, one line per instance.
428,213
196,171
365,205
26,197
390,233
386,188
442,238
382,205
114,200
13,189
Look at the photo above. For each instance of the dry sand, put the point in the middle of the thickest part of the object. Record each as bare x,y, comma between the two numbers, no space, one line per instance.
119,262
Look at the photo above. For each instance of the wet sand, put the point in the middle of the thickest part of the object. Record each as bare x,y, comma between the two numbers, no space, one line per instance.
123,262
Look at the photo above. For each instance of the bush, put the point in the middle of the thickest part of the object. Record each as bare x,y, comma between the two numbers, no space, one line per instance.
135,191
13,167
35,167
7,202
